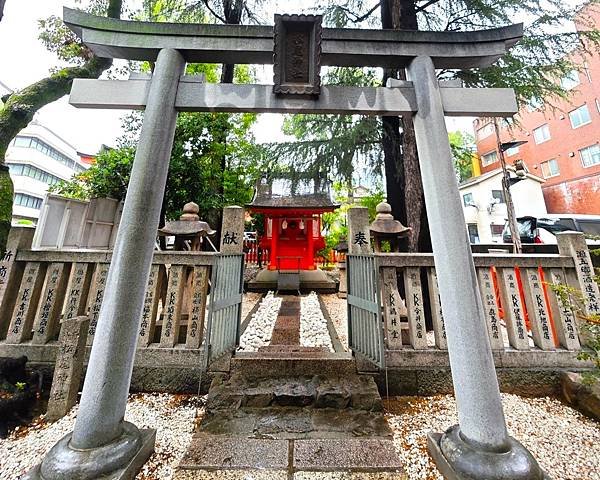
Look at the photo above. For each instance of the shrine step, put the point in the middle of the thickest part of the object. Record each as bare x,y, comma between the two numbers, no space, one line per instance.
357,392
289,363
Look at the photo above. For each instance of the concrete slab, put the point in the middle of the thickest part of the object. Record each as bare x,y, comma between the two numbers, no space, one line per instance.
222,452
369,454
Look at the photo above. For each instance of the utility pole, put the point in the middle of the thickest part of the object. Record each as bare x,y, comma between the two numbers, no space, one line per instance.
510,207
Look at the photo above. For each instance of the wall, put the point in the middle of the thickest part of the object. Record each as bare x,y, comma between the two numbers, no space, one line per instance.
575,188
527,198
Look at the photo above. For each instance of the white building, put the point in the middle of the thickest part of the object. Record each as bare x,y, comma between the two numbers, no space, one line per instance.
485,208
38,158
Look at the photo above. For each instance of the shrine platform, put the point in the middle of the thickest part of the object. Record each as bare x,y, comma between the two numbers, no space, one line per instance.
310,280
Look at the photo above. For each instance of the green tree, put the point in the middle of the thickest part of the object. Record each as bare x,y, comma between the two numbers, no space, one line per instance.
533,69
19,107
462,145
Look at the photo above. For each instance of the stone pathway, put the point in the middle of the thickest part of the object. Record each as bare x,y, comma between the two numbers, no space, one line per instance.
288,411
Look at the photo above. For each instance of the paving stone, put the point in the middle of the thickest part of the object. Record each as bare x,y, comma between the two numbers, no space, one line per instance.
212,451
283,423
353,423
245,474
228,422
338,454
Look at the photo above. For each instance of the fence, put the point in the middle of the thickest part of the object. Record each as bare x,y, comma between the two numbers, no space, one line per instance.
39,288
525,318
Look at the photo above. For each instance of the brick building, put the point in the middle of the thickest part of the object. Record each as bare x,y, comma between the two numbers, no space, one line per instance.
563,145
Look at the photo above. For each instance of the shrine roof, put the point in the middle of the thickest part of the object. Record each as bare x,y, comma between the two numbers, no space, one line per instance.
318,201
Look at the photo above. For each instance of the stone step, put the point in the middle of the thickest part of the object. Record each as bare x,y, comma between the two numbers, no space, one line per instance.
319,391
292,423
273,364
226,453
292,349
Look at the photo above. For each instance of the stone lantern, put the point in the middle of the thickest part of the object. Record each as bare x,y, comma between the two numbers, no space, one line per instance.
188,227
386,228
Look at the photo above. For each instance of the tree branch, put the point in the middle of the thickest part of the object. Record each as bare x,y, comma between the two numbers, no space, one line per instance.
359,18
425,5
2,2
213,12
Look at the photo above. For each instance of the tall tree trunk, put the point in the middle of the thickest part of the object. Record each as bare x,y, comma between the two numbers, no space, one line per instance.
20,107
2,2
403,175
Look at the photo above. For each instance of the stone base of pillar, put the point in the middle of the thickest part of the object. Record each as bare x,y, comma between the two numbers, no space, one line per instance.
122,459
459,460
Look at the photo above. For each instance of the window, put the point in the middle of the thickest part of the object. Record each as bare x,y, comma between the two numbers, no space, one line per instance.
590,155
496,231
473,233
542,134
49,151
28,201
598,105
570,80
19,169
512,151
489,158
580,116
498,195
468,199
586,70
550,168
485,131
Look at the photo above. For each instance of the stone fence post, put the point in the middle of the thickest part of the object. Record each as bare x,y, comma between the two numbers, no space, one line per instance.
359,235
573,244
232,230
19,238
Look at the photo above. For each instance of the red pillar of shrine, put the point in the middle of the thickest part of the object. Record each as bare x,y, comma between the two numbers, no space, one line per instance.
310,235
274,241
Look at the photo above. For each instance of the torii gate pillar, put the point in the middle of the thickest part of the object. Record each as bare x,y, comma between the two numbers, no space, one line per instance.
479,446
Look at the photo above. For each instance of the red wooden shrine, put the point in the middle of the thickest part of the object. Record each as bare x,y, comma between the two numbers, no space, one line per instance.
292,223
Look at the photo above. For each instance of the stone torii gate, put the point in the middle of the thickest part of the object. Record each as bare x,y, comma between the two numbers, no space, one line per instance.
102,444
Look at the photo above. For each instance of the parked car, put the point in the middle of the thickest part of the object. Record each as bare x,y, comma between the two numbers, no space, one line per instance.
543,229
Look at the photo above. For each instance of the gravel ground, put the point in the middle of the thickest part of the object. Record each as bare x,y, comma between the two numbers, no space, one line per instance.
313,326
172,415
566,443
259,330
338,309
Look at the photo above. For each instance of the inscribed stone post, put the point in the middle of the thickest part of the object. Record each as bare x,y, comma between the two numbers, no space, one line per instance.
95,298
232,230
68,367
150,309
562,312
439,327
490,305
78,290
539,312
393,308
359,236
172,311
28,295
514,312
573,245
53,296
414,306
198,308
19,238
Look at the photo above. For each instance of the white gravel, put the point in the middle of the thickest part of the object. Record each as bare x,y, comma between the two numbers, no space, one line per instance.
172,415
259,330
565,443
313,326
338,312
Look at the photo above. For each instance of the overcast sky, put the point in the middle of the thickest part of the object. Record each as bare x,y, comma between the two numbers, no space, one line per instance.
24,60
